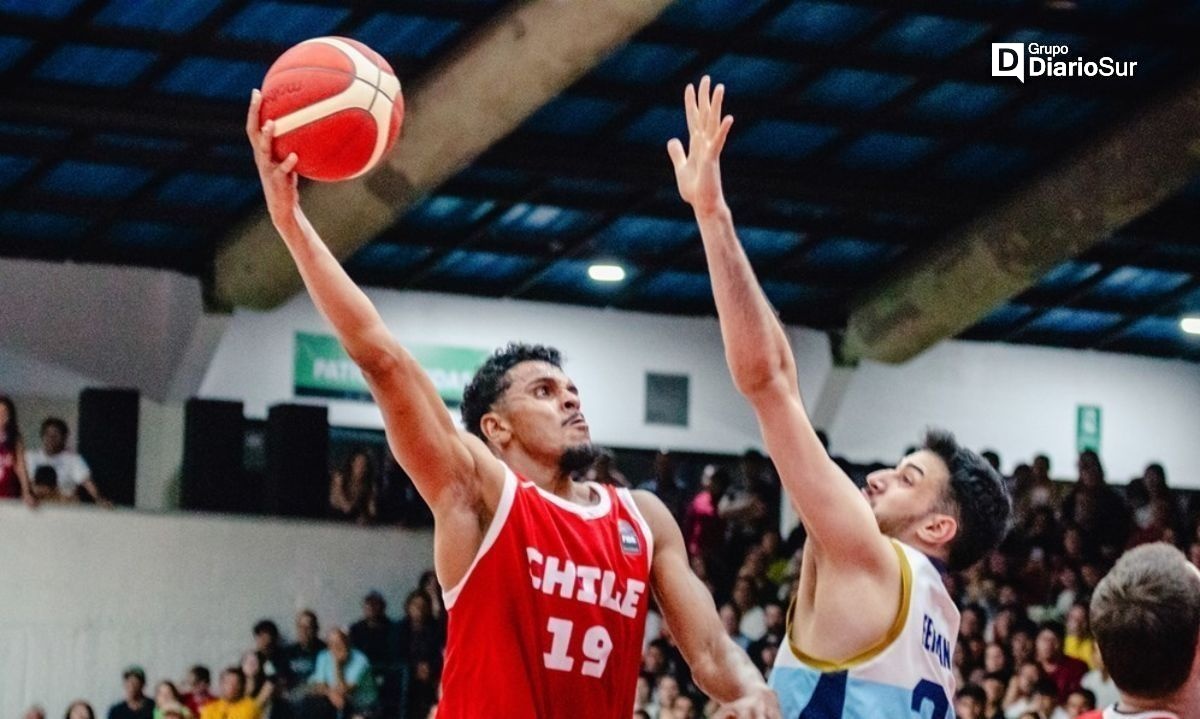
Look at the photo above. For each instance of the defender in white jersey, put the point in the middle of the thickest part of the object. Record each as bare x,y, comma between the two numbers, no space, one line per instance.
871,632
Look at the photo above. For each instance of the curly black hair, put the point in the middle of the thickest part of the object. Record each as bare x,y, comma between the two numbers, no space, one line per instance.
490,380
976,494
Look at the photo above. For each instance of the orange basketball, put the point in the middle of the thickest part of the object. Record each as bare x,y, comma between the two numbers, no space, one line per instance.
336,103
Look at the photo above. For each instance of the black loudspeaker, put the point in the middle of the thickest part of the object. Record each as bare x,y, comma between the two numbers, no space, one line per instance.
108,440
213,447
297,480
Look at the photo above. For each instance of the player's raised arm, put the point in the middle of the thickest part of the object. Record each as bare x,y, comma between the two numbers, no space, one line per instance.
719,666
422,435
836,515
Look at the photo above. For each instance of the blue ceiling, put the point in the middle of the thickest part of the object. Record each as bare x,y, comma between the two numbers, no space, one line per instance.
867,129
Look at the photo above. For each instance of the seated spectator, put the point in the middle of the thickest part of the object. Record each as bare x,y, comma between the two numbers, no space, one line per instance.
730,617
79,709
1045,700
969,702
168,701
996,661
1066,672
665,691
684,707
45,487
34,712
375,631
14,475
71,470
198,684
301,657
1097,509
270,653
352,489
1018,699
775,630
233,704
342,684
753,625
135,705
1078,641
259,685
993,688
1080,702
703,527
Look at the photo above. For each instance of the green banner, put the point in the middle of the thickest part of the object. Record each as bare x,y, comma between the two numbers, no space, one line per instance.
322,369
1087,428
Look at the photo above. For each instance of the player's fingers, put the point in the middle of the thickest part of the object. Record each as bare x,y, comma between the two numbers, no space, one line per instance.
722,133
675,150
704,99
252,114
266,137
714,115
689,106
289,163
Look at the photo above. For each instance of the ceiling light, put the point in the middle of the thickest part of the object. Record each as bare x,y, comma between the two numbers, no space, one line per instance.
1191,325
606,273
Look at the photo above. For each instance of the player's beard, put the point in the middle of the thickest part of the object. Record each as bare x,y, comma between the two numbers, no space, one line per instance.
578,458
896,527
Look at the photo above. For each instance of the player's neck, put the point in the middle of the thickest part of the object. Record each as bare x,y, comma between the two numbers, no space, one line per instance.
1188,696
548,477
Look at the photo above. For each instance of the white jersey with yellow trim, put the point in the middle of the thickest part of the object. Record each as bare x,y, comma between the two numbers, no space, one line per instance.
908,675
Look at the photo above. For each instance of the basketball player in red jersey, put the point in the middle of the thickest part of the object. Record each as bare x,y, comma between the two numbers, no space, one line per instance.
872,629
1146,620
548,579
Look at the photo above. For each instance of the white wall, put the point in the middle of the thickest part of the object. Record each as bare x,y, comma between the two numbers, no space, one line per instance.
607,353
1022,400
84,593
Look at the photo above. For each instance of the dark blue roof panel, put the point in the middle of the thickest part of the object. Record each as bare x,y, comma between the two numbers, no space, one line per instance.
41,225
1137,284
1004,318
657,125
154,236
850,254
77,64
204,189
855,89
641,63
1064,321
672,285
573,115
537,222
820,23
781,139
644,236
175,16
929,36
1155,329
283,22
487,267
215,78
445,213
1067,276
381,257
13,168
886,151
763,245
12,49
95,180
407,36
699,14
748,76
52,9
986,163
960,102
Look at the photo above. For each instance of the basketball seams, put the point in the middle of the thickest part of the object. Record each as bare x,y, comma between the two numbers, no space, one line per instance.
330,66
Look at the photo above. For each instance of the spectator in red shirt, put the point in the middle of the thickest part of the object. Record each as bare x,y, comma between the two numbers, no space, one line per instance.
1066,672
198,682
703,528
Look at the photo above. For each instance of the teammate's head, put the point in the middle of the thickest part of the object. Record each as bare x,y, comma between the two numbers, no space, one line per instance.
943,498
521,400
1151,598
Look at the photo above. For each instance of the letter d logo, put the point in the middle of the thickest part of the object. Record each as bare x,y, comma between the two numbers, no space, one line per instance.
1008,60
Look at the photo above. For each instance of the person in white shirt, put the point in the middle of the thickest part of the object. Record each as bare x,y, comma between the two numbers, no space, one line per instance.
70,469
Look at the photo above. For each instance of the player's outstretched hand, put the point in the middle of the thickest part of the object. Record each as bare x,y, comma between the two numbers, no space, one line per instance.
698,170
279,180
761,705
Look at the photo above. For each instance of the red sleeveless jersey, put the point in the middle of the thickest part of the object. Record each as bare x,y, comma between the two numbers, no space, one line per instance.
548,620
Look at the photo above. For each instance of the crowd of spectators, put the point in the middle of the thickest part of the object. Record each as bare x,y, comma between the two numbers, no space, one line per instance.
1024,651
378,667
